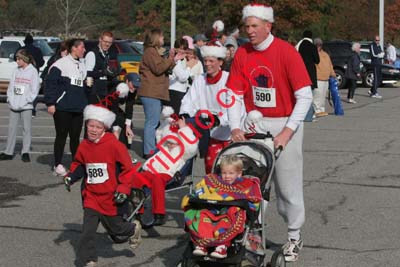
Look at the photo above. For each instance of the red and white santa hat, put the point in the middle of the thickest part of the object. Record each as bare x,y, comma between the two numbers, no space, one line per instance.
99,113
212,48
260,11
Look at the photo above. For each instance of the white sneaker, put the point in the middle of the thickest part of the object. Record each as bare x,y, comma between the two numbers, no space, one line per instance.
59,170
200,251
291,249
91,264
376,96
136,238
351,101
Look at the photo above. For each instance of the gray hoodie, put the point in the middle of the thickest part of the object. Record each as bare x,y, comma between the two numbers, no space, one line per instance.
23,88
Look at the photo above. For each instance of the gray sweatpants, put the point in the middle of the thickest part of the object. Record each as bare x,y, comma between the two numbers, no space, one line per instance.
288,176
26,116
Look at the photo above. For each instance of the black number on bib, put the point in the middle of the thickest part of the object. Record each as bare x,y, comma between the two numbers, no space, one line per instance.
263,96
96,172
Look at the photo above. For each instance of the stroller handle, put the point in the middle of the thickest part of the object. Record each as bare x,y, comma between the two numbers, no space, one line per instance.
255,136
278,151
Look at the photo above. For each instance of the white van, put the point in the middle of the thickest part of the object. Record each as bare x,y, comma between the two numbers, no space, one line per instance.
8,46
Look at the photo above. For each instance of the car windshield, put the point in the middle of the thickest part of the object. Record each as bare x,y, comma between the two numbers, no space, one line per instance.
44,47
125,48
138,46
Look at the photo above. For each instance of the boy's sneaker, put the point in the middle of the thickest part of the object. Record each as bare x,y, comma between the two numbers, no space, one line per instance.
91,264
200,251
220,252
136,238
291,249
59,170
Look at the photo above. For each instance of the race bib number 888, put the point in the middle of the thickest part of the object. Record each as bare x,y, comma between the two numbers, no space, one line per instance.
96,173
264,97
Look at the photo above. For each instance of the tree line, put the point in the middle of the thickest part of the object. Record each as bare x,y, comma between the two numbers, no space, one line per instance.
328,19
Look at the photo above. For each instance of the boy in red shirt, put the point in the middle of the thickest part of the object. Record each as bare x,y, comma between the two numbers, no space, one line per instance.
96,159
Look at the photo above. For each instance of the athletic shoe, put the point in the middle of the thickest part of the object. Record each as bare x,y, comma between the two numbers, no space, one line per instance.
136,238
4,156
376,96
291,249
219,252
351,101
321,114
91,264
25,157
200,251
59,170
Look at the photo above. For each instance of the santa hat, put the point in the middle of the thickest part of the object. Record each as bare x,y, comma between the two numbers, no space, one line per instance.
99,113
259,11
213,48
252,118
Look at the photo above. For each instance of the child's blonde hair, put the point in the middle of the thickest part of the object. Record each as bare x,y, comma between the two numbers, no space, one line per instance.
232,160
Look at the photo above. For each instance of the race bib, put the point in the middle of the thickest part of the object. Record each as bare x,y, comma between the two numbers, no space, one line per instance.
96,173
77,81
264,97
19,89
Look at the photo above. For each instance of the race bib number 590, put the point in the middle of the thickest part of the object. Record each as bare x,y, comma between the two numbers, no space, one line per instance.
96,173
264,97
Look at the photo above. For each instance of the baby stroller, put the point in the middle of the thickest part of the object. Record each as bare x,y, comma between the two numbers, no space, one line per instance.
258,161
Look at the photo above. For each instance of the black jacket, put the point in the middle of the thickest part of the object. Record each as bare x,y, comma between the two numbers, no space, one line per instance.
353,67
309,53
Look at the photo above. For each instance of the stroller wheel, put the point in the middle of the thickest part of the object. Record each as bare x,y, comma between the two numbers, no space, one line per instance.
187,263
278,259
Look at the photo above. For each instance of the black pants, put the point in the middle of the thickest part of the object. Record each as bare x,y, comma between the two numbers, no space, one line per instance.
377,79
176,100
114,225
352,88
66,123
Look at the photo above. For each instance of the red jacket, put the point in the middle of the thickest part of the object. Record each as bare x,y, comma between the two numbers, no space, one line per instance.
97,162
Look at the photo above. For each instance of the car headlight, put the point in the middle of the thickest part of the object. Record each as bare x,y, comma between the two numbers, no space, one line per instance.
394,71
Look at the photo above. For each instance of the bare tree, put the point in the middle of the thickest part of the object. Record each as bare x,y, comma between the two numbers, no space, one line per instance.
69,11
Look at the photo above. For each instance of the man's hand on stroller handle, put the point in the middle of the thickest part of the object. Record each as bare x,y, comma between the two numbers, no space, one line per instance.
237,135
67,183
283,138
120,197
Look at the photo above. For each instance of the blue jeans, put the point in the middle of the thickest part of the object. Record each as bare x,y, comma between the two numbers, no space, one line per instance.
310,114
152,110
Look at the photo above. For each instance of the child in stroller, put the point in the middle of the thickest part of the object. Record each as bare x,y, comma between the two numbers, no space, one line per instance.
177,144
217,226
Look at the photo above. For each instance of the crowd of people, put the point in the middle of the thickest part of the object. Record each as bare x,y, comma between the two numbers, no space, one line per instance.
212,80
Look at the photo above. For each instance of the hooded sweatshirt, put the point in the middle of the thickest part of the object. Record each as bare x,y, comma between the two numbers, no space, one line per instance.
23,88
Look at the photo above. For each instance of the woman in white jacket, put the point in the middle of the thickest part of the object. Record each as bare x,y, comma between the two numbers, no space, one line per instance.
22,90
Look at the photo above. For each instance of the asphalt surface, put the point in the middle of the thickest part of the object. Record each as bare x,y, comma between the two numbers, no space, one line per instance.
351,188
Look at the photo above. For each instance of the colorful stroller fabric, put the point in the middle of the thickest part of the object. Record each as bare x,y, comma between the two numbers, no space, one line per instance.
218,225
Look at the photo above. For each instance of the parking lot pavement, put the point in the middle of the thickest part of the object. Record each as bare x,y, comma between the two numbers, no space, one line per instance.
351,188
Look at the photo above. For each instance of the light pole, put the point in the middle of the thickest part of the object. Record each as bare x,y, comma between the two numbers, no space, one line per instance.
173,22
381,21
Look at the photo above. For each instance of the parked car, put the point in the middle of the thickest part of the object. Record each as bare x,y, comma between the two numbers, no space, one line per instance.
8,46
340,52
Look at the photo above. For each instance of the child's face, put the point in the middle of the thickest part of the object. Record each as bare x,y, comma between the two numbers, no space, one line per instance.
170,145
21,63
95,130
229,173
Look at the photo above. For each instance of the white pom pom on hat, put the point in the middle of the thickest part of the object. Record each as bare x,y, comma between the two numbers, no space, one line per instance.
122,89
259,11
218,25
99,113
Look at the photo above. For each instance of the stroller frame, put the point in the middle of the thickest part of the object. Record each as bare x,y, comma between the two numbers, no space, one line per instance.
260,144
